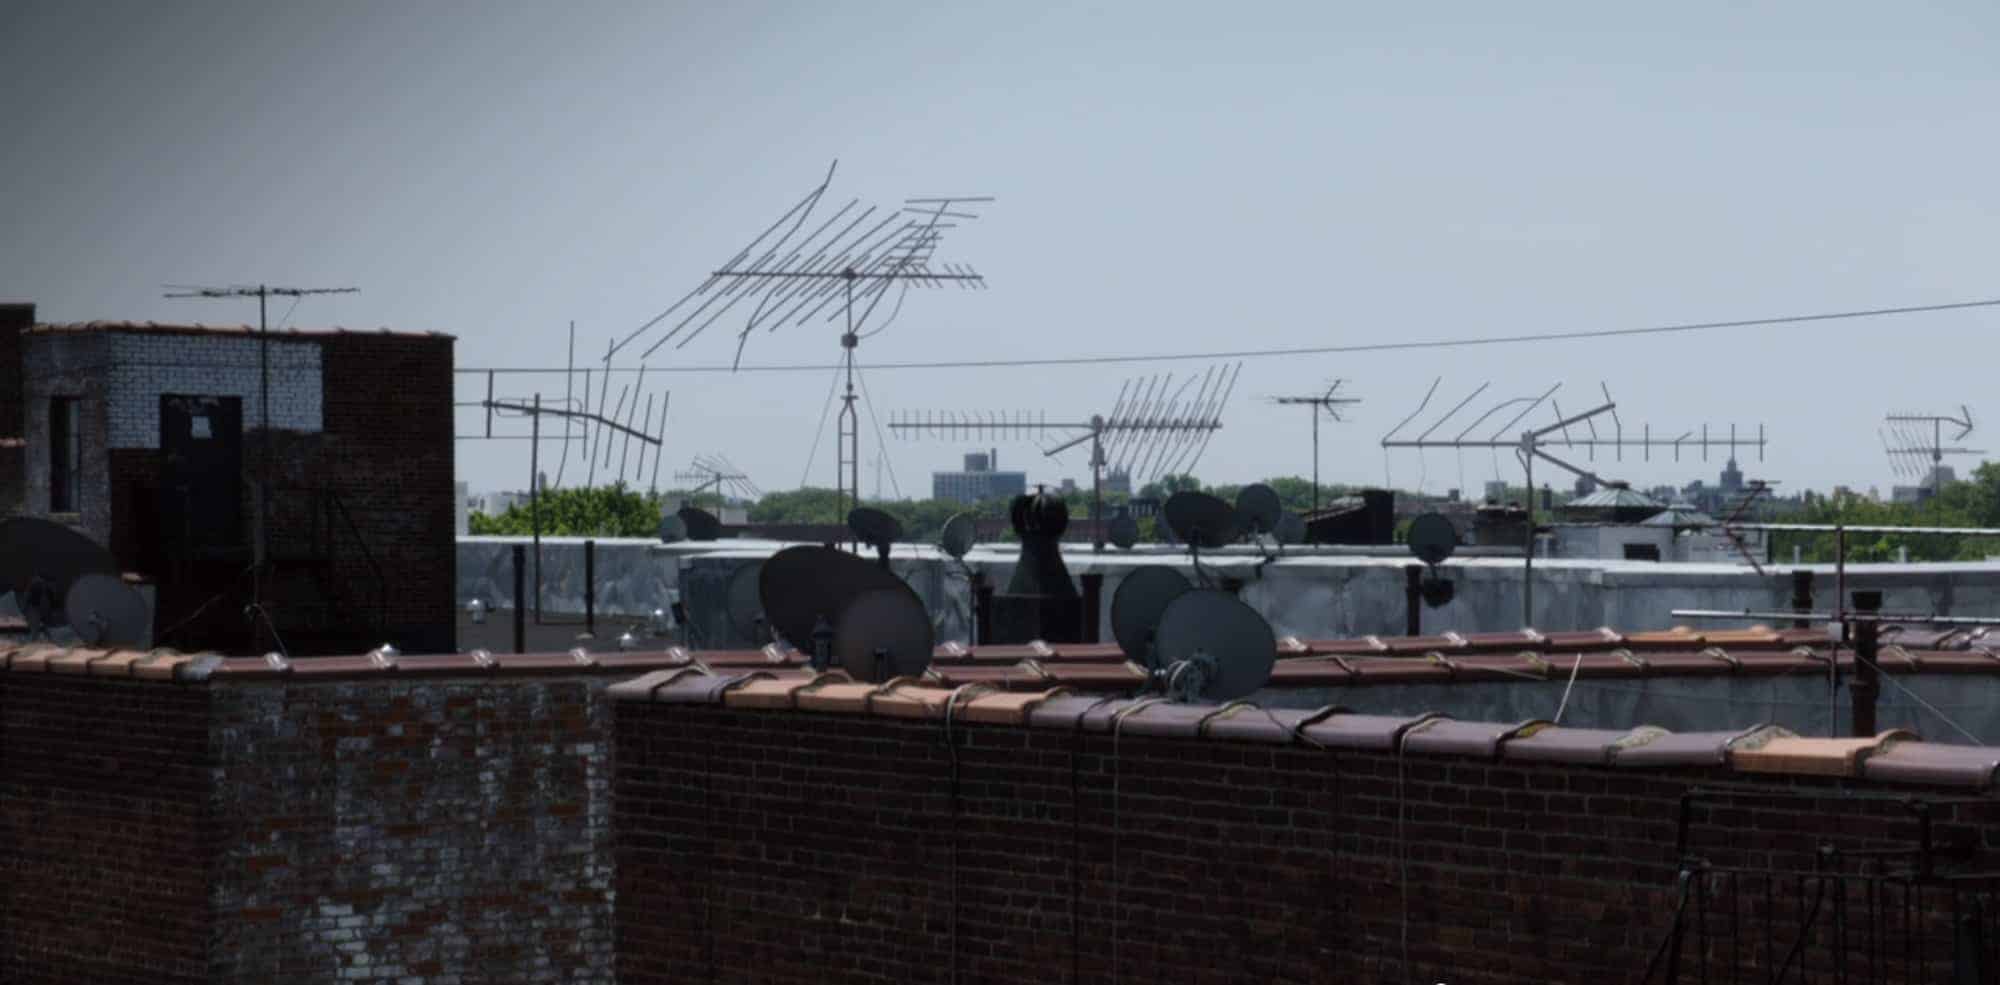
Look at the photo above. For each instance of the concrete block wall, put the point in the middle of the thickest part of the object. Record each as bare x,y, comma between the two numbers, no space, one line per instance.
69,367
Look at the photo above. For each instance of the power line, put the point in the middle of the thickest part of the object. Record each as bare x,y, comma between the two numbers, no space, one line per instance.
1318,350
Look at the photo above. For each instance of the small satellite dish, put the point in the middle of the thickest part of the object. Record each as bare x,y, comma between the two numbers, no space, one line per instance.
799,587
875,528
1260,508
1199,519
104,611
883,633
746,610
1432,538
1124,530
1136,606
700,524
957,536
1290,529
32,548
673,529
1212,646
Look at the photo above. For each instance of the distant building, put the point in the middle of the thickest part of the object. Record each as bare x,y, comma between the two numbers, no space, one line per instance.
981,479
1118,481
1923,491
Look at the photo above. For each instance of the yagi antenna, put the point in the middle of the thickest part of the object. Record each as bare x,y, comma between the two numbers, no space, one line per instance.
1915,443
1595,430
719,473
1326,404
840,268
1157,426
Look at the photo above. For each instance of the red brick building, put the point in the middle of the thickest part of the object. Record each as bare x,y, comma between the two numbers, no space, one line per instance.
150,438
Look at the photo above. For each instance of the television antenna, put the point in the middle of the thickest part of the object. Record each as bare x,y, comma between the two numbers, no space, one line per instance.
842,271
721,474
263,293
1155,428
1909,448
1329,404
1535,443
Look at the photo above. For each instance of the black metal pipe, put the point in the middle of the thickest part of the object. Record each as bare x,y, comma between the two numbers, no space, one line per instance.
982,608
590,587
1802,596
520,591
1413,600
1867,684
1093,594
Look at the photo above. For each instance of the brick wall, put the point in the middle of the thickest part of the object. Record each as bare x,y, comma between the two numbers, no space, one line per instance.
144,366
70,367
105,825
787,846
13,463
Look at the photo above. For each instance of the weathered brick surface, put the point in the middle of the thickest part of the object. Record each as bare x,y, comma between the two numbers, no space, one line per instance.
794,847
437,830
105,831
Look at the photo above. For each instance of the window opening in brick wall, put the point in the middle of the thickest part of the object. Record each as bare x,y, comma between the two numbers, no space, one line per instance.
65,454
1642,552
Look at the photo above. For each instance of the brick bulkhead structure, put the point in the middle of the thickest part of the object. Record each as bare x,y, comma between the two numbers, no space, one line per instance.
361,548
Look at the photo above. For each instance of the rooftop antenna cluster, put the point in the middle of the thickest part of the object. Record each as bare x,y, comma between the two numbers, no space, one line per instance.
719,473
1565,433
1915,443
1328,404
1156,427
840,272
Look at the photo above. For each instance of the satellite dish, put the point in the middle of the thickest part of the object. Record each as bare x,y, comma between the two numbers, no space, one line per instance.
746,610
876,528
1260,508
956,537
103,610
801,586
1212,646
1290,529
1432,538
1124,530
1137,604
883,633
32,548
673,529
1199,519
700,524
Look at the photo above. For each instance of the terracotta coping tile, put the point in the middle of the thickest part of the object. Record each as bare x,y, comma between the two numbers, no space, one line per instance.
950,650
75,660
1006,707
1787,753
956,674
1975,661
1166,718
776,692
1902,761
1449,737
1896,657
1744,638
1245,722
1311,671
1356,645
1519,666
739,658
1678,663
690,686
781,653
33,658
1089,676
1686,748
1400,670
641,688
1361,732
648,659
1011,653
332,666
163,667
438,663
1775,663
1066,710
1517,640
119,663
1586,746
1096,652
1589,639
907,698
572,661
1413,645
1677,638
1292,646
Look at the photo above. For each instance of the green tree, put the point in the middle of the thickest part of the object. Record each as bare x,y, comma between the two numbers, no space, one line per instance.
602,511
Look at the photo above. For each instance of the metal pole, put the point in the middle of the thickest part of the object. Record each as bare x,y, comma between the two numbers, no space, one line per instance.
1096,491
1528,567
1866,684
534,499
590,587
1413,600
263,449
1315,413
520,589
1093,597
1802,595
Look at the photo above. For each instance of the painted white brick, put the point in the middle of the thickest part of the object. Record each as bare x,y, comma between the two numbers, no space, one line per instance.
143,367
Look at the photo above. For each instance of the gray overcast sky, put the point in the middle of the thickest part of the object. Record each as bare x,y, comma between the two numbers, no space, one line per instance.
1170,176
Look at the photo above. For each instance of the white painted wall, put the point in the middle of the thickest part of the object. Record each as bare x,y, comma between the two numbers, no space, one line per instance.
141,367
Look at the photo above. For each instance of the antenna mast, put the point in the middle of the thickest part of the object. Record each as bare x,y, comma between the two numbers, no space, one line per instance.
1155,428
1328,403
263,293
841,271
1535,443
718,471
1908,447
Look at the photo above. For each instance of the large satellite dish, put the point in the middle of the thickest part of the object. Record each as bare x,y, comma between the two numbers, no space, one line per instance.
876,529
957,536
673,529
1432,538
104,611
1136,606
1124,530
1213,647
700,524
35,550
1200,520
746,609
883,633
1259,507
801,586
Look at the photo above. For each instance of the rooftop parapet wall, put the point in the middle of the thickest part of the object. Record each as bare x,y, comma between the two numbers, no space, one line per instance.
819,830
